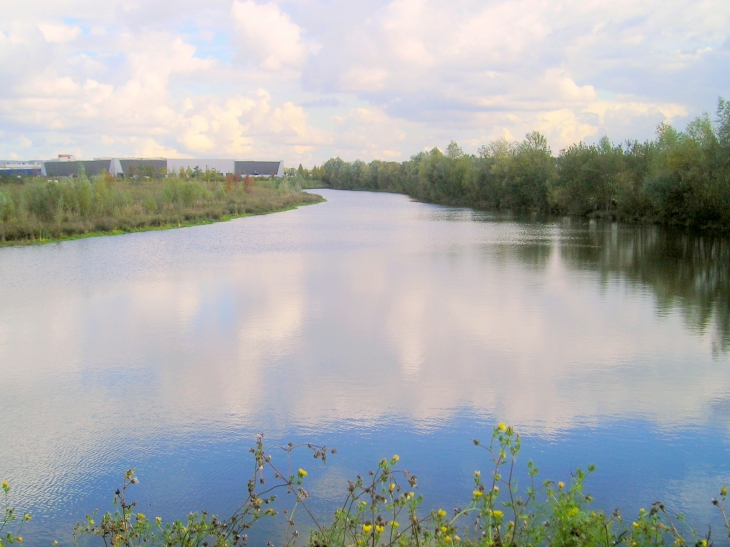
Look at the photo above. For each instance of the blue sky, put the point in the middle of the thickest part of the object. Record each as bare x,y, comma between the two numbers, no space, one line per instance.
305,80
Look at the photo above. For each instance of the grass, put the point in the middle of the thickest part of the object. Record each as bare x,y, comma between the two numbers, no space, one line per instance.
38,211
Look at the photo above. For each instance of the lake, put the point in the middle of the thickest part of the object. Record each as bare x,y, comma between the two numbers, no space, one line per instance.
374,325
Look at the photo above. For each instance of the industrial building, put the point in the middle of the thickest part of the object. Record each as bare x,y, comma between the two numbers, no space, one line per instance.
14,168
67,166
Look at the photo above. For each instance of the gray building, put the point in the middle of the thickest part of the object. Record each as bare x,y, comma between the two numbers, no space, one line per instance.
64,168
259,168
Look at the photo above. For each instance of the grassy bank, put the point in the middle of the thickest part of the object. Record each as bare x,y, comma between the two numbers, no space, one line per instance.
39,210
679,178
382,508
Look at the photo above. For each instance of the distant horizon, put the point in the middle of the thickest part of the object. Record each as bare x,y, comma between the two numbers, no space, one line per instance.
310,80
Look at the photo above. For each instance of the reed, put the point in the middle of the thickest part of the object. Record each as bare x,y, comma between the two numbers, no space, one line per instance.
39,210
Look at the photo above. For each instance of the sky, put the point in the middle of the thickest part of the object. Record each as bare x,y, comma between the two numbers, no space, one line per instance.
306,80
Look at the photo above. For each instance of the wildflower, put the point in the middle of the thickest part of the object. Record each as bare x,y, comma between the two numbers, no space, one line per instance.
392,486
496,489
498,514
366,528
395,524
441,513
396,458
140,516
5,485
561,485
302,473
477,473
444,529
158,520
447,538
20,539
703,543
27,516
723,490
457,538
635,524
478,493
642,510
363,503
501,426
379,528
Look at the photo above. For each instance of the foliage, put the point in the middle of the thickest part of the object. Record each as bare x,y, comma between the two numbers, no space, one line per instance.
679,178
383,509
11,526
38,209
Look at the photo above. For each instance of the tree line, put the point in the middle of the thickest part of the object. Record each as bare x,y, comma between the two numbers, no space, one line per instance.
679,177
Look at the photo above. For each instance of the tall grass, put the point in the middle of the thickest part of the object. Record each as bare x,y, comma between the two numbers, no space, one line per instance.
38,209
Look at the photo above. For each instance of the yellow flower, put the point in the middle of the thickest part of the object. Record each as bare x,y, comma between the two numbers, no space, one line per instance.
444,529
501,426
395,524
635,524
392,486
496,489
158,520
447,538
27,516
498,514
642,510
5,485
379,528
561,485
457,538
302,472
703,543
140,516
396,458
478,493
366,528
441,513
723,491
20,539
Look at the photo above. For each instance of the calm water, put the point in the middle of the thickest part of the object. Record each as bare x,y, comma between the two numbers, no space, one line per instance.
374,325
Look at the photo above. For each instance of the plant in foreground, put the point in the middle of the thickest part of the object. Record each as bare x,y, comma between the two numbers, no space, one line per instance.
383,509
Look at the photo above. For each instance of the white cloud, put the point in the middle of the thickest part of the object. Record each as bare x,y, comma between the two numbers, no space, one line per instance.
190,79
59,33
270,34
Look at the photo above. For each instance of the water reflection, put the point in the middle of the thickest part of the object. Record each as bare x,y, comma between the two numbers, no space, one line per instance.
367,320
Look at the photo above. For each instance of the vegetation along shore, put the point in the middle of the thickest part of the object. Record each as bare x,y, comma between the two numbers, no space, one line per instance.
679,178
38,210
383,508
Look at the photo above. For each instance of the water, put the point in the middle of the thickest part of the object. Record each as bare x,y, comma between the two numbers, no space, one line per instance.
372,324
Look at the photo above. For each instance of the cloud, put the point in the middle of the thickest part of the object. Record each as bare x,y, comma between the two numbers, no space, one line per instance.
189,78
270,35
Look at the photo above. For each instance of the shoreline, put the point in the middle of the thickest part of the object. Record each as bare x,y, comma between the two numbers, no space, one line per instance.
150,228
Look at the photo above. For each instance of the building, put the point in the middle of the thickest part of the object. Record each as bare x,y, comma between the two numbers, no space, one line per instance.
21,168
67,166
259,168
225,167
